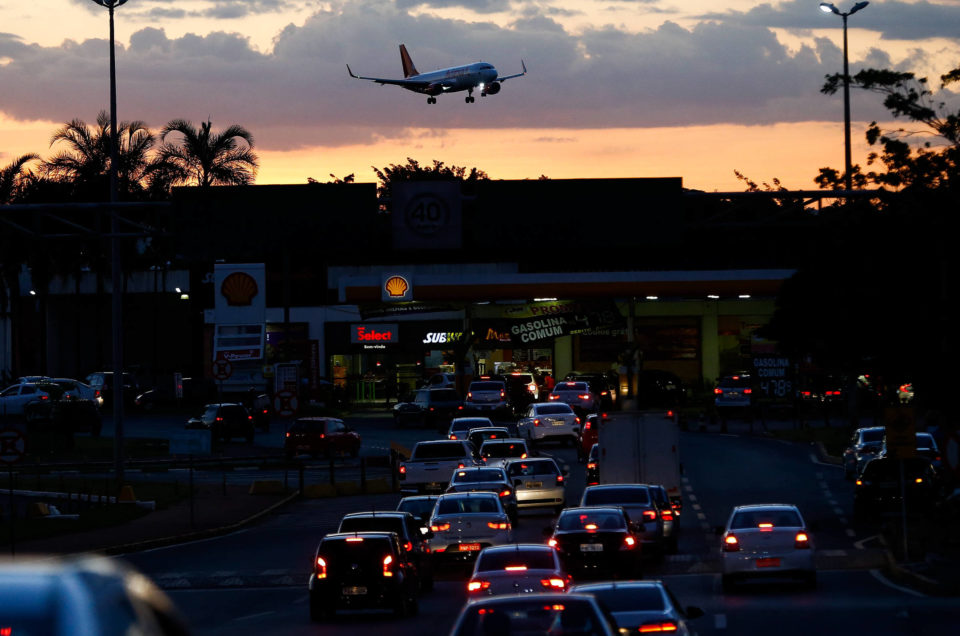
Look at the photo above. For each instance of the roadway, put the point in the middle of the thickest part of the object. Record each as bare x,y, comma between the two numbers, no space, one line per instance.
255,580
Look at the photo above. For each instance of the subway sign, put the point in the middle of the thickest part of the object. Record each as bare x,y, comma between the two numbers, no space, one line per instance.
374,334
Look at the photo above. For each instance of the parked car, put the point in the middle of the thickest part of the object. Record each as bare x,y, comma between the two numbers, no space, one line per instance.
429,407
225,421
194,392
642,607
103,381
406,527
362,571
14,398
326,436
90,595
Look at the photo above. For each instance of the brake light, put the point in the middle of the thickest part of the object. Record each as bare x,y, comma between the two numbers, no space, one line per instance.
629,542
554,397
718,391
747,391
441,527
355,540
587,426
577,420
585,396
667,515
552,542
219,419
408,546
590,527
649,515
461,465
532,388
288,434
515,568
559,479
662,626
859,482
432,408
919,480
476,586
591,465
731,544
494,525
403,468
505,492
44,397
387,565
453,436
765,527
801,541
460,407
536,422
553,583
250,417
321,568
502,394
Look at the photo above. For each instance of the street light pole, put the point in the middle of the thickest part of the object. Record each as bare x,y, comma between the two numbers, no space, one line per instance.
827,7
117,274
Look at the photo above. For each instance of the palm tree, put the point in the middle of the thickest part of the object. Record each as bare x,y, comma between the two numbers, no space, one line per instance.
11,177
86,161
206,158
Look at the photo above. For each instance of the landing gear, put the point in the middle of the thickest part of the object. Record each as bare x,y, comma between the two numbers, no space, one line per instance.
431,100
469,98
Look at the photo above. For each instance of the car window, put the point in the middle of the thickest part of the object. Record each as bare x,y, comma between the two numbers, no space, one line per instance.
456,505
14,390
444,395
600,496
528,616
630,599
582,520
873,435
372,523
753,519
502,559
28,389
483,474
486,386
571,386
735,381
553,409
497,449
335,426
441,450
418,507
533,468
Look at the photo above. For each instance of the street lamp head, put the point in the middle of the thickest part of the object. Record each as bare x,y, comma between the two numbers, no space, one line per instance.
827,7
858,6
110,3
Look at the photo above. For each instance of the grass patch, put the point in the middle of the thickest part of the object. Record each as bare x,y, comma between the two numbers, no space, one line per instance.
834,438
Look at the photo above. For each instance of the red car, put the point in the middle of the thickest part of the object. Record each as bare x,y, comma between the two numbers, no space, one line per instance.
325,436
590,434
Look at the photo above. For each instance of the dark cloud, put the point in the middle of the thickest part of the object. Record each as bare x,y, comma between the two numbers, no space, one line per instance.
480,6
149,10
299,94
894,20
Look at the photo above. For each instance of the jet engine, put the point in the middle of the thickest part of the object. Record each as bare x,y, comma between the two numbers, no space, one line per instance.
491,89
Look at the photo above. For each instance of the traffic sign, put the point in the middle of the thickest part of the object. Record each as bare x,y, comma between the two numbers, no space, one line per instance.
285,403
12,445
901,432
222,369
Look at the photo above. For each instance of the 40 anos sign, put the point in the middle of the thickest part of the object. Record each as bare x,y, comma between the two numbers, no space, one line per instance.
774,378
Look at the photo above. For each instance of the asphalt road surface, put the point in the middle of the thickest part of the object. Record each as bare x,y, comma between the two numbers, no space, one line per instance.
255,580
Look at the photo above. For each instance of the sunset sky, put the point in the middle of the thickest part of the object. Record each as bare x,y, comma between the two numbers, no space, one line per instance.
616,88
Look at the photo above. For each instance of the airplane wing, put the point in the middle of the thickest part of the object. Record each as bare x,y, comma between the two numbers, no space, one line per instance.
506,77
412,82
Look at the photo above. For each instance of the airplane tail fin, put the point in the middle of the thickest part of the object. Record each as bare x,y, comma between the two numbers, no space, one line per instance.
409,70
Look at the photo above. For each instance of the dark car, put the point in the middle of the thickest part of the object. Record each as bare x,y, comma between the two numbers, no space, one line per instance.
225,421
878,487
656,387
193,392
325,436
407,528
577,394
593,465
600,385
103,381
596,541
590,434
864,445
359,571
430,408
522,390
421,507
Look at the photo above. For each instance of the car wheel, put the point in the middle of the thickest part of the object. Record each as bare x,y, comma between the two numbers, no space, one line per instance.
400,609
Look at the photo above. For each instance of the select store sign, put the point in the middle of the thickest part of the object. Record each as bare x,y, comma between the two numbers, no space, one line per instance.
375,335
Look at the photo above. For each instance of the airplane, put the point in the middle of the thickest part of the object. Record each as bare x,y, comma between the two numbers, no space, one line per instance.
479,75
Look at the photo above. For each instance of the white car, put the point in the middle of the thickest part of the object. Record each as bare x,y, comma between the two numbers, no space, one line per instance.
464,523
487,396
538,483
460,426
769,540
14,398
642,606
521,568
547,421
494,452
77,390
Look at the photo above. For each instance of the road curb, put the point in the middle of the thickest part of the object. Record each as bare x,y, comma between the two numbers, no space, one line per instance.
826,457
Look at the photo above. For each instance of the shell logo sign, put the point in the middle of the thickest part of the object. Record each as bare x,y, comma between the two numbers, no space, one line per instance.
239,288
396,287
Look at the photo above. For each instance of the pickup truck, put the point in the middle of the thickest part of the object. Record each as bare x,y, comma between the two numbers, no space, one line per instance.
432,463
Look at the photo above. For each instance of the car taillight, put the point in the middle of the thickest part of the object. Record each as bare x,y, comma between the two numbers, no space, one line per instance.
460,407
505,492
553,583
453,436
461,465
96,393
577,420
731,544
442,527
559,479
765,527
585,396
718,391
649,515
660,626
476,586
591,465
219,419
667,514
402,472
408,546
250,417
287,434
587,426
321,568
801,541
554,397
918,480
532,388
431,409
859,482
747,391
536,422
469,395
552,542
629,542
498,525
388,565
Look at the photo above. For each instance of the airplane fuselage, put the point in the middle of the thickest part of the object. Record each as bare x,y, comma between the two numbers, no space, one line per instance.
455,78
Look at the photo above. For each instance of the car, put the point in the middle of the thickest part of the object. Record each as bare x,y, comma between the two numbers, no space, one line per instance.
926,447
494,452
590,434
430,408
14,398
224,421
733,393
766,540
421,507
327,436
486,479
600,385
192,392
522,389
441,380
103,381
477,436
656,387
535,615
362,571
90,595
549,421
464,523
596,541
407,528
460,426
538,483
593,465
519,568
487,396
642,607
669,513
640,505
76,390
878,487
863,446
576,394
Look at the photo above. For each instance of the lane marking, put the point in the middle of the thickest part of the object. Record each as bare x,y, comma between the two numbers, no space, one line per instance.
719,621
884,580
688,488
692,497
701,516
832,502
838,511
252,616
834,553
696,507
852,534
859,545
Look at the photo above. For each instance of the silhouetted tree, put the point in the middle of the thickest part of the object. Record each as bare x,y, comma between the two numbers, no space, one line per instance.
12,177
205,158
413,171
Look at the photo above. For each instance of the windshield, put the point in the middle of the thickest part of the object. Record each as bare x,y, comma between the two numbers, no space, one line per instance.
630,599
482,474
554,409
502,559
583,520
533,468
600,496
366,524
753,519
503,450
458,505
440,450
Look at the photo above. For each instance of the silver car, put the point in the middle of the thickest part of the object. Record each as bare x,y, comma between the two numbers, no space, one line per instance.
495,452
640,506
642,606
460,426
520,568
549,421
466,522
767,540
863,446
538,483
486,479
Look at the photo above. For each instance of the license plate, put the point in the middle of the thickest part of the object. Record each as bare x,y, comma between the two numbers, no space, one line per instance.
591,547
434,485
560,423
534,484
303,448
354,590
768,563
469,547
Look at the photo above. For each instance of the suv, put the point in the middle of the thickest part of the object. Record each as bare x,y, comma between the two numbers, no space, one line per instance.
733,392
863,446
522,389
878,487
600,386
325,436
429,407
362,570
407,528
224,421
487,396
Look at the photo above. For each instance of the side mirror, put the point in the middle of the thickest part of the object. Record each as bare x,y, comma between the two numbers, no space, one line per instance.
694,612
